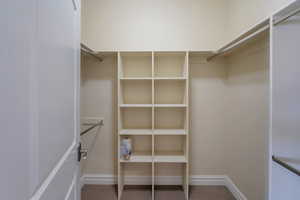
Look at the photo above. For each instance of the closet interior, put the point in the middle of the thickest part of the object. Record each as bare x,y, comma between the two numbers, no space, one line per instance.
149,99
185,113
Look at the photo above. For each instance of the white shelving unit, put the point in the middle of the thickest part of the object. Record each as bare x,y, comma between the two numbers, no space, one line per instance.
153,110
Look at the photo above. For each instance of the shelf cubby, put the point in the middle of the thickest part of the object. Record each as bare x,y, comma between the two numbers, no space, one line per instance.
141,148
135,65
136,92
174,169
133,169
135,132
169,118
130,169
167,169
170,149
169,132
135,118
170,64
170,92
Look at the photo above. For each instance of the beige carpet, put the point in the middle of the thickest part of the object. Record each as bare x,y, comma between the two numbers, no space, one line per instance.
100,192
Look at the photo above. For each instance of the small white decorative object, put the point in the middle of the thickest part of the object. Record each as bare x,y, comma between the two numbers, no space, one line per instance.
126,148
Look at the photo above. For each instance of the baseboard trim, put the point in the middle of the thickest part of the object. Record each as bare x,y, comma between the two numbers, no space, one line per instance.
104,179
98,179
108,179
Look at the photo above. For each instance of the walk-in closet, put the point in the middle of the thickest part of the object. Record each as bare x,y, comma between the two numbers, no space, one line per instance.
197,121
150,100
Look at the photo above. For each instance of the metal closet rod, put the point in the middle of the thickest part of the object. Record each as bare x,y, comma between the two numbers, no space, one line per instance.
93,125
237,43
282,19
241,40
285,165
89,51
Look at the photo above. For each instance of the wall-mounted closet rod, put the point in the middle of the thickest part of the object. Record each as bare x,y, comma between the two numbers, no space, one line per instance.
237,43
282,19
93,125
90,52
285,165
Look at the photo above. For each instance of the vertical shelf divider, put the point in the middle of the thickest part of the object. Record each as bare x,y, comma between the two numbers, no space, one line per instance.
187,123
120,173
153,126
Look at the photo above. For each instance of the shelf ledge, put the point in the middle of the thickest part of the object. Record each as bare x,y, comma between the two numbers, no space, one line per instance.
135,105
169,132
170,105
138,159
135,132
136,78
170,159
170,78
150,132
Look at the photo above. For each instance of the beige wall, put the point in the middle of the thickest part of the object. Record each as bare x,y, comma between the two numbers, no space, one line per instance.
247,119
207,96
142,25
98,100
153,25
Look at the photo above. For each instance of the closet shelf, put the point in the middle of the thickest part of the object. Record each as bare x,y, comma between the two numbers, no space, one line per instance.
155,105
136,78
135,105
150,132
138,159
169,132
170,159
135,132
154,78
156,159
170,105
170,78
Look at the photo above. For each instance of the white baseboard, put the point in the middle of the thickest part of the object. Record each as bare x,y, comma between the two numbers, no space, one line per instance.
105,179
98,179
207,180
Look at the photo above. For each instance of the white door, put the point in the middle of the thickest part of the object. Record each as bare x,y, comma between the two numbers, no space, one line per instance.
285,185
39,79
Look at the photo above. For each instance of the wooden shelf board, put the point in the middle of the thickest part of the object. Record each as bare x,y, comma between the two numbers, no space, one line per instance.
170,78
135,132
135,105
154,78
169,132
156,159
138,158
170,159
136,78
170,105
